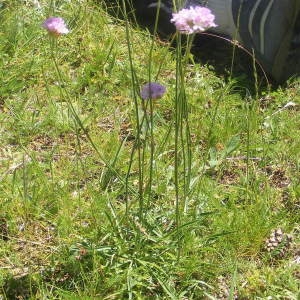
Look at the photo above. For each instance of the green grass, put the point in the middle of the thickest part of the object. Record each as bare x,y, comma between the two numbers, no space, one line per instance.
83,217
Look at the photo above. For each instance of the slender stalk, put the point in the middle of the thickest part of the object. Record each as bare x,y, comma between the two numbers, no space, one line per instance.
138,125
248,151
186,136
151,124
178,95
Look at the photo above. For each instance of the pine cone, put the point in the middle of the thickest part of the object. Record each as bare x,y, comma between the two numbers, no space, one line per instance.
278,243
224,289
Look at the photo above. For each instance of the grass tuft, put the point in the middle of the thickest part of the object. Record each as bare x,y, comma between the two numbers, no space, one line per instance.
106,196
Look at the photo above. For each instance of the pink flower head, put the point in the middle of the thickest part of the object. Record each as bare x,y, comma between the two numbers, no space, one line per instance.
152,90
55,26
193,19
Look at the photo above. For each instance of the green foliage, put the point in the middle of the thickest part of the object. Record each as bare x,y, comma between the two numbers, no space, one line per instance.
104,196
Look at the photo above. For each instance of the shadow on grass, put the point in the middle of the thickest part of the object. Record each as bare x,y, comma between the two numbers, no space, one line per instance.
230,62
19,287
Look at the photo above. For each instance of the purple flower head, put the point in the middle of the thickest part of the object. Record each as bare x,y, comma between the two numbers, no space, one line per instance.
193,19
55,26
152,90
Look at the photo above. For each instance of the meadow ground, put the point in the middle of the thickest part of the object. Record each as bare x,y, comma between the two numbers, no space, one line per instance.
106,196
